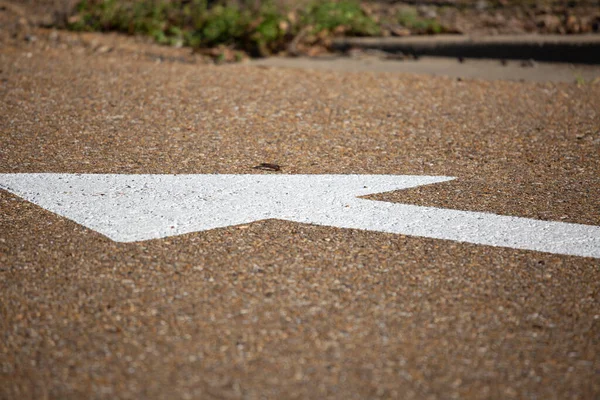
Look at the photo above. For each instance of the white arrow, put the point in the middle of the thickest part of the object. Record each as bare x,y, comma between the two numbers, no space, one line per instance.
129,208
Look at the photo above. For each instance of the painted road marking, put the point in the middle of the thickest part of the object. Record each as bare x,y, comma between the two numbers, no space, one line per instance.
129,208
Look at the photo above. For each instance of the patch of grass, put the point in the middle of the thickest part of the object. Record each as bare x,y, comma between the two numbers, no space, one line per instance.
258,28
410,19
193,23
141,17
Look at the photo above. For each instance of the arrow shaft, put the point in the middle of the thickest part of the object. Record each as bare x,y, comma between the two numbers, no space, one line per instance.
463,226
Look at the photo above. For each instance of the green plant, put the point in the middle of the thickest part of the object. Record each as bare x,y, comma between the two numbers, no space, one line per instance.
146,17
272,30
329,15
579,79
224,25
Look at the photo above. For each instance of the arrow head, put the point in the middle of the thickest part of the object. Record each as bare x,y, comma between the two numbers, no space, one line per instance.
128,208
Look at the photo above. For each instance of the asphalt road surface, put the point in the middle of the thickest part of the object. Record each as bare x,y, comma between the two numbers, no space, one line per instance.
281,309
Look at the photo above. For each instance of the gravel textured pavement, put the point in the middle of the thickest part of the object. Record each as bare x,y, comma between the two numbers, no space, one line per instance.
276,309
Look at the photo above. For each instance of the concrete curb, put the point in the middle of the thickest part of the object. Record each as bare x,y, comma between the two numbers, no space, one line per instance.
583,49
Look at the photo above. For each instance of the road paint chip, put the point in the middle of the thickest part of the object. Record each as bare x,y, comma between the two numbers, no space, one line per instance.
129,208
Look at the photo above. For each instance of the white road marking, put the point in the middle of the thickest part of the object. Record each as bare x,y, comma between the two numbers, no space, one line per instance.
129,208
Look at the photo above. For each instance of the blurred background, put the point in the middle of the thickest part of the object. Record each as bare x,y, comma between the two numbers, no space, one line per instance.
234,30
